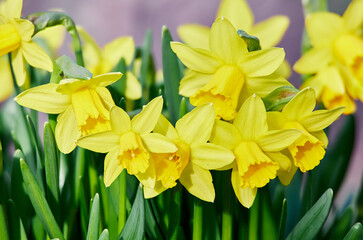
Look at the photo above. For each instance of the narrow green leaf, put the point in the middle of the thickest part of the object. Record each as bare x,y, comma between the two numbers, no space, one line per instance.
72,69
253,43
3,229
355,233
254,219
268,225
314,219
175,212
39,202
145,77
197,220
283,219
279,97
134,227
122,200
227,213
83,209
104,235
1,159
82,155
94,219
152,227
183,107
172,76
15,224
341,225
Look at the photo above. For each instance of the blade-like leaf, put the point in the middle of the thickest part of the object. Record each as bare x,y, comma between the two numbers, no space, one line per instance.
104,235
72,69
94,219
313,220
355,233
3,229
15,224
283,220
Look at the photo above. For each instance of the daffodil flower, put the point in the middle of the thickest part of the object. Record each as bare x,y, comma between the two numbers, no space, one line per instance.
83,106
100,61
255,147
336,57
129,142
227,73
309,148
16,37
194,158
7,86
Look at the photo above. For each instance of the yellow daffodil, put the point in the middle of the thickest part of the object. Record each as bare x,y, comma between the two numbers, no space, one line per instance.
191,163
269,32
309,148
83,106
100,61
256,149
227,73
16,37
7,86
53,37
336,57
129,143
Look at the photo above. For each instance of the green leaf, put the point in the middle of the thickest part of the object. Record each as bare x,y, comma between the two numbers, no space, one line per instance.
253,232
39,202
134,227
355,233
279,97
175,212
146,76
72,69
15,224
341,224
152,228
104,235
172,76
313,220
57,74
3,229
283,219
268,226
94,219
253,43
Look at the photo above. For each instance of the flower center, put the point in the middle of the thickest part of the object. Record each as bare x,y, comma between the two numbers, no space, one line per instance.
307,150
357,68
169,166
91,113
133,155
254,167
222,90
9,38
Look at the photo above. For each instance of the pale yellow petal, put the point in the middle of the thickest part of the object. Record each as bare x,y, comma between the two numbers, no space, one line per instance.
283,161
198,182
44,98
192,82
112,168
276,140
196,59
225,42
120,120
13,8
153,192
270,31
323,27
301,105
148,178
196,126
91,51
105,97
106,79
284,70
36,56
164,127
194,35
262,86
285,177
25,29
133,89
211,156
145,121
157,143
6,79
275,120
320,119
314,60
225,134
122,47
353,15
238,12
262,62
54,36
101,142
66,131
246,196
322,137
19,67
251,119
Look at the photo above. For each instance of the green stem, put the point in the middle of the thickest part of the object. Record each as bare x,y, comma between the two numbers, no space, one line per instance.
197,219
174,212
122,201
227,215
253,231
16,87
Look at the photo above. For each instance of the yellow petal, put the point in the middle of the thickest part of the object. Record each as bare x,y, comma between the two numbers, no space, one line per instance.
148,178
158,143
211,156
225,134
44,98
19,67
284,70
225,42
106,79
192,82
194,35
270,31
198,182
276,140
323,27
283,161
105,97
91,51
53,36
6,79
314,60
164,127
112,168
353,15
285,177
13,8
122,47
153,192
101,142
262,62
36,57
322,137
251,119
10,40
25,29
301,105
133,87
196,126
275,120
246,196
320,119
237,12
120,121
262,86
145,121
66,131
196,59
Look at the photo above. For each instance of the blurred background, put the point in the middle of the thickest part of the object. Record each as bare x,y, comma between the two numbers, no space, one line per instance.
106,20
